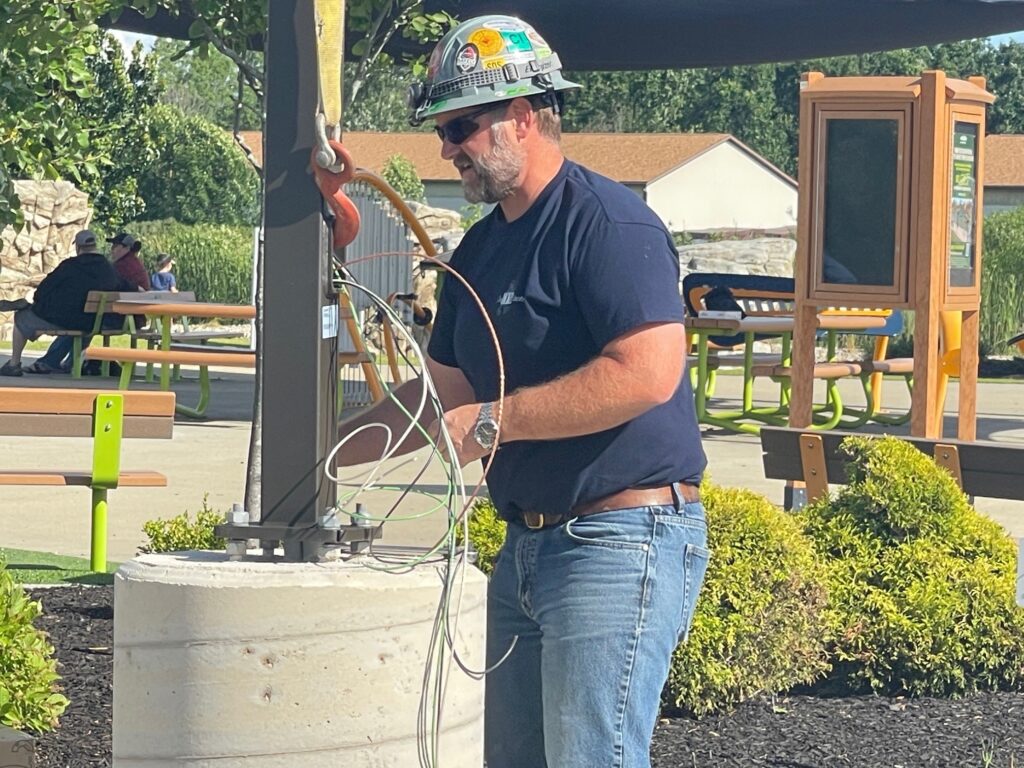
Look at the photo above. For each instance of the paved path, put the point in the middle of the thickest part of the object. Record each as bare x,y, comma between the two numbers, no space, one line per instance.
208,458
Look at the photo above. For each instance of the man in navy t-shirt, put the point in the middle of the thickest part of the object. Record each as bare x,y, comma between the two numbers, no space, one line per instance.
597,455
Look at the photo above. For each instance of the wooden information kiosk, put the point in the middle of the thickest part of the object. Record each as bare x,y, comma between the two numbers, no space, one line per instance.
890,217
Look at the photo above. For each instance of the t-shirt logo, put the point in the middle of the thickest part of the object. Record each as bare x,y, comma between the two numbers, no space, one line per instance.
508,297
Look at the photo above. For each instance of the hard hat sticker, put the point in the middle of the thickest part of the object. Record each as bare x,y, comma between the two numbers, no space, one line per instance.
487,41
517,41
467,59
494,62
540,45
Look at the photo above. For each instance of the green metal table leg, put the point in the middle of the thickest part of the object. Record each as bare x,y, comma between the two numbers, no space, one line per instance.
204,396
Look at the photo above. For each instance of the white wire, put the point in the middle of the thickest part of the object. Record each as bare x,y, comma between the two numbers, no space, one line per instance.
445,628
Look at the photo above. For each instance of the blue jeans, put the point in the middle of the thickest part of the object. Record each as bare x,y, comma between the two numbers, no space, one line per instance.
60,348
595,607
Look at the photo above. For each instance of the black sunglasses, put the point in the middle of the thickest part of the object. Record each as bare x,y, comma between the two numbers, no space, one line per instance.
461,128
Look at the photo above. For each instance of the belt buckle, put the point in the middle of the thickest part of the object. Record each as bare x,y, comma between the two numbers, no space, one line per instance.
530,517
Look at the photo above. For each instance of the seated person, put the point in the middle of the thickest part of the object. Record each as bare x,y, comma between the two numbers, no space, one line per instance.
163,279
59,304
124,254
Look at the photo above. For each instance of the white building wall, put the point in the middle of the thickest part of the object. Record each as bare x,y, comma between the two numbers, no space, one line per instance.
1001,199
725,188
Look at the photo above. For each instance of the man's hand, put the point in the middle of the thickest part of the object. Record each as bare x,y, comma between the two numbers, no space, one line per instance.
460,423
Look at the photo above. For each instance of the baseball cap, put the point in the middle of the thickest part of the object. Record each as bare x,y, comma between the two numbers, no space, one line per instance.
163,259
86,238
122,238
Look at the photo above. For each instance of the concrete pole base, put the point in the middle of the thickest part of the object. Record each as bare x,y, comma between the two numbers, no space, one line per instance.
220,663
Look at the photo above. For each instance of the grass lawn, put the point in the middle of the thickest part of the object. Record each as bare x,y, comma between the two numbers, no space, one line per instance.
29,567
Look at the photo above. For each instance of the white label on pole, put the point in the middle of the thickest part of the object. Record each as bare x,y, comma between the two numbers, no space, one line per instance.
329,321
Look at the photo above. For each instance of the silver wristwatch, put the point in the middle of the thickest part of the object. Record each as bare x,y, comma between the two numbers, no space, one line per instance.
485,431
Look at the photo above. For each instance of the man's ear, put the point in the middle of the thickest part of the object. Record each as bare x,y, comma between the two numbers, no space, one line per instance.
521,111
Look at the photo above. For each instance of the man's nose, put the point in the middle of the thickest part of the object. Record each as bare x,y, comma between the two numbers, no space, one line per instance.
449,150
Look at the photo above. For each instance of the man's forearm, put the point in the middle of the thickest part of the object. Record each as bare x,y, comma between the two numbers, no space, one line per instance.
371,444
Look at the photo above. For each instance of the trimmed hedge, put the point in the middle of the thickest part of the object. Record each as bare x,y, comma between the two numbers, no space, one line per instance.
921,585
759,625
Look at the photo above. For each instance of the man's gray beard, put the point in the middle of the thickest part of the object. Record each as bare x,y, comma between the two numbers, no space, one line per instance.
497,171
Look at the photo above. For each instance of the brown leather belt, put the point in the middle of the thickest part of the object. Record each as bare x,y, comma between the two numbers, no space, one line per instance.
627,499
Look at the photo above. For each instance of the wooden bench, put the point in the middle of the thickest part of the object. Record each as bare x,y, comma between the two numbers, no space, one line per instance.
179,354
103,416
988,469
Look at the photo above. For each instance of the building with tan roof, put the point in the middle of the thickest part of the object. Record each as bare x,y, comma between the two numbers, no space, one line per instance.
1004,172
694,181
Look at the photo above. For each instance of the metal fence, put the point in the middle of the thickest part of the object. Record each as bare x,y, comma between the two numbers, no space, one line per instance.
381,231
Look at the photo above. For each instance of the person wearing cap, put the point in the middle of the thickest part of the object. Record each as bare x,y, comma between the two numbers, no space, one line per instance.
163,279
124,253
58,306
598,458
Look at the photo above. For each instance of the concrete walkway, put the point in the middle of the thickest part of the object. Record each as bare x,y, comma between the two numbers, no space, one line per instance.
208,458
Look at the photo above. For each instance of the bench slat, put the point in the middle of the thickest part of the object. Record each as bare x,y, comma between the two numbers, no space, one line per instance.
189,335
215,356
54,400
78,425
134,479
991,470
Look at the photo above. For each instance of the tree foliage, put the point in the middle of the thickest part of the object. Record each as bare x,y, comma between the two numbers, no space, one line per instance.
43,73
197,174
205,85
759,104
225,26
119,121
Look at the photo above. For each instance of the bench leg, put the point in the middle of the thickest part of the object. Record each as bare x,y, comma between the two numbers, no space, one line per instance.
76,358
98,548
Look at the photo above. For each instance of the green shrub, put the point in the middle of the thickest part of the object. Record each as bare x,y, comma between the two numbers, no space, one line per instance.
487,532
214,260
29,696
401,174
921,586
1002,280
181,533
759,624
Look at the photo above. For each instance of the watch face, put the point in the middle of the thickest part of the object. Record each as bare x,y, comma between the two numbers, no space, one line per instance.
485,433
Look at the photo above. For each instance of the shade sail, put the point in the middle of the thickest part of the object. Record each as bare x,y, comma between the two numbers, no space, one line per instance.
673,34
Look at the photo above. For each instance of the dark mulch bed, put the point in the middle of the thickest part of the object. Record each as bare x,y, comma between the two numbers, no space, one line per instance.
803,731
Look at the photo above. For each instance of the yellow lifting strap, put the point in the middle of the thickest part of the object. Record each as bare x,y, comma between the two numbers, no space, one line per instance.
329,17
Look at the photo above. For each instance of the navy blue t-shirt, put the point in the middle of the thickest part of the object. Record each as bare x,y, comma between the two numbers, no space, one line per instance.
588,262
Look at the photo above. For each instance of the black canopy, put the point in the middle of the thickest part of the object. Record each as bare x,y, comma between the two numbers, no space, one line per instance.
672,34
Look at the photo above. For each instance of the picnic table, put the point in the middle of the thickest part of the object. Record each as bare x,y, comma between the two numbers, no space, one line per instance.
749,418
162,313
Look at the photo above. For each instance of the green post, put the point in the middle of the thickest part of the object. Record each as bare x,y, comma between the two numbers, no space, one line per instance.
107,424
98,547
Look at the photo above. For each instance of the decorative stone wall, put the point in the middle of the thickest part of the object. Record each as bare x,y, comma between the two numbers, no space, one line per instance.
763,256
54,211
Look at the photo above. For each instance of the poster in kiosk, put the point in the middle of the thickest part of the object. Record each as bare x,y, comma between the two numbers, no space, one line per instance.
890,217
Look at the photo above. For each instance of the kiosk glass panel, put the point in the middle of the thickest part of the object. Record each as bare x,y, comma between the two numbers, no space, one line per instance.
862,168
963,206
